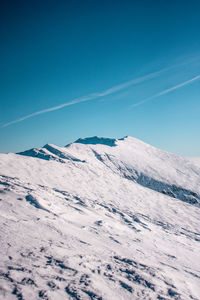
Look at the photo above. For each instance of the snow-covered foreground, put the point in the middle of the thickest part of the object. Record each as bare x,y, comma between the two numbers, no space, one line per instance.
99,219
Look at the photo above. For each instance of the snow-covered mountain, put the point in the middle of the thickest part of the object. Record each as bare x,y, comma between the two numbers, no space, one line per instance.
99,219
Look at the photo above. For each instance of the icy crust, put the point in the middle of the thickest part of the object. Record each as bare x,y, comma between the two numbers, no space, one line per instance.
84,230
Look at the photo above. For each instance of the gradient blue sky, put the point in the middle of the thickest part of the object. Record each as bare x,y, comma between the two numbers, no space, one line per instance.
55,52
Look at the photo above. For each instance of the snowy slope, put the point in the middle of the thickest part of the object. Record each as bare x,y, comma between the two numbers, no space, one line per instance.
99,219
195,160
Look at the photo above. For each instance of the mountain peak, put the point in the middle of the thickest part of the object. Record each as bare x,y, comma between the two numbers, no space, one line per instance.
94,140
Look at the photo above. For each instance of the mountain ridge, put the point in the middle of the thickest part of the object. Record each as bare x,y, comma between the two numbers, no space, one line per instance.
129,169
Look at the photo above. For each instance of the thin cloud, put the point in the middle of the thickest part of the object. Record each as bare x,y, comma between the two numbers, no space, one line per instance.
167,91
90,97
94,96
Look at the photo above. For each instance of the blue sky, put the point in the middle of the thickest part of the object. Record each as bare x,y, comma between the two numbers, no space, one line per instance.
119,67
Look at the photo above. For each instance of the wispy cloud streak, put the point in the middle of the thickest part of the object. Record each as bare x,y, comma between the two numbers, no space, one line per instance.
93,96
166,91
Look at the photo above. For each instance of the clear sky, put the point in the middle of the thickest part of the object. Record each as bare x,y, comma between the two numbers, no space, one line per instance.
73,69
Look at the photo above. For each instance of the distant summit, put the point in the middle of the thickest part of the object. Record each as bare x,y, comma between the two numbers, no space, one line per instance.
131,159
98,140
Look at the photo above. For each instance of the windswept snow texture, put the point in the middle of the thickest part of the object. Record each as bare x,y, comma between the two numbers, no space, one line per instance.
99,219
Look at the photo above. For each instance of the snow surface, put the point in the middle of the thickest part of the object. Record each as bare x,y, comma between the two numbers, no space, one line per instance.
99,219
195,160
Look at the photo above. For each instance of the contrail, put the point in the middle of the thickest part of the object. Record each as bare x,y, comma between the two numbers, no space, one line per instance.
167,91
75,101
93,96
